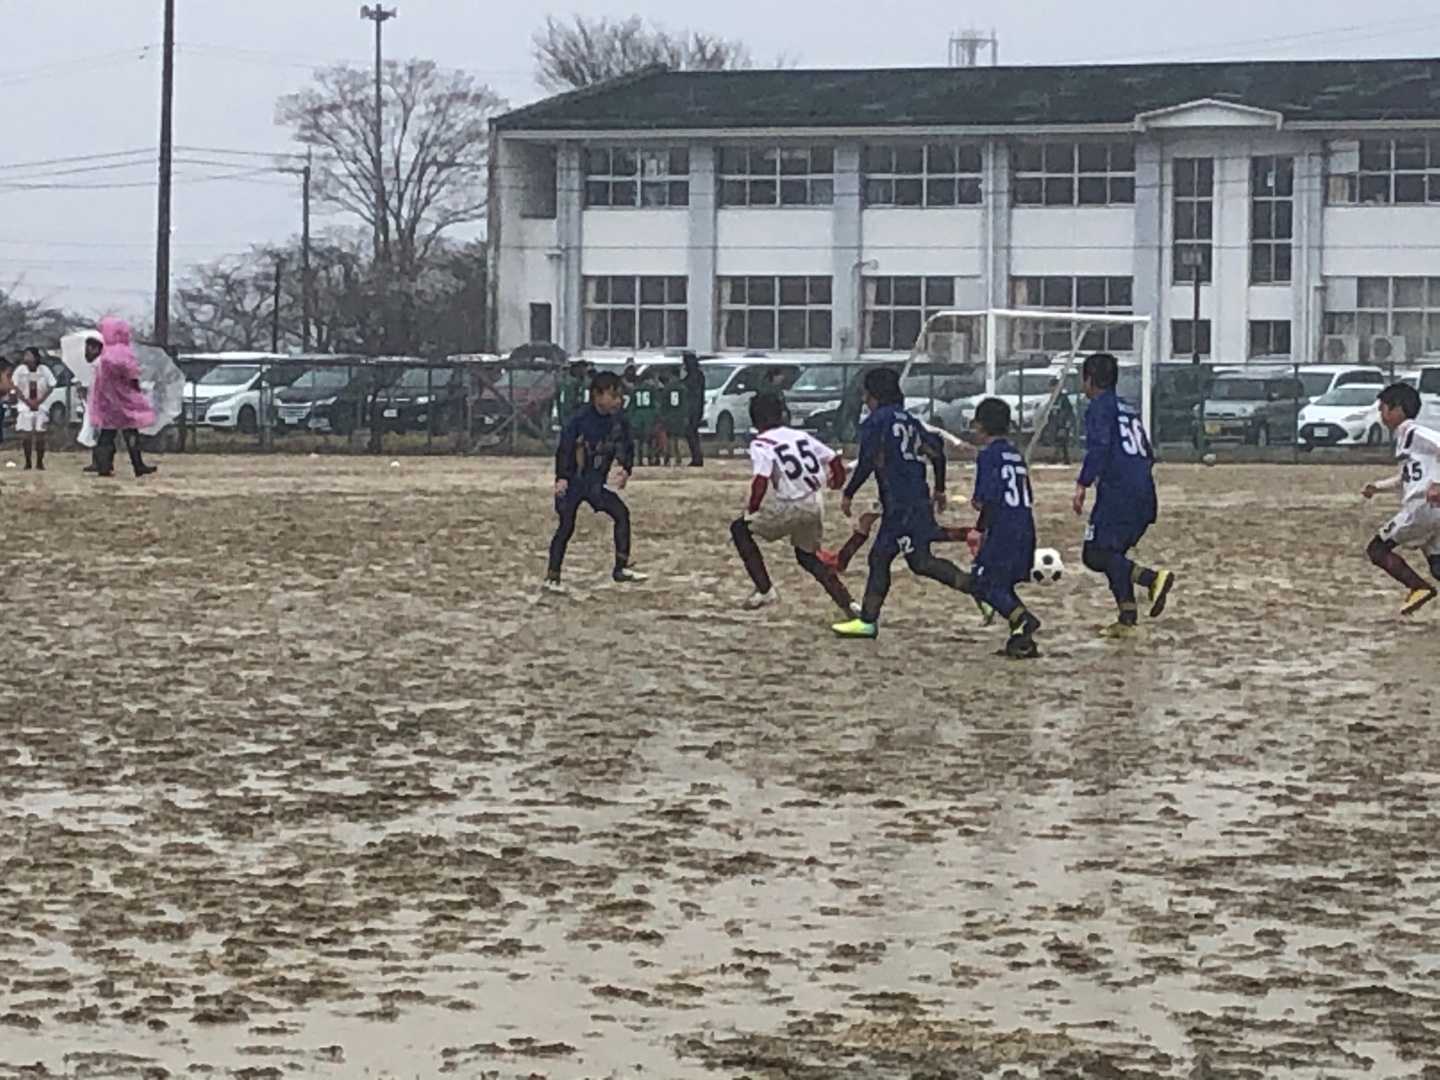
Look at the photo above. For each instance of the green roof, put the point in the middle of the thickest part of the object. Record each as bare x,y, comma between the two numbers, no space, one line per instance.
1305,90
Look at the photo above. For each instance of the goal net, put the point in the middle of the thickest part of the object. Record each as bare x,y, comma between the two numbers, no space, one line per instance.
1028,358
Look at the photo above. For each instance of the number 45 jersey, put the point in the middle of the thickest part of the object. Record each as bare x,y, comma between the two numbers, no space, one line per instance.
795,463
1119,461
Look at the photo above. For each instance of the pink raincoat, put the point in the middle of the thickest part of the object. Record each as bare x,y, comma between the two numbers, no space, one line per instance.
116,400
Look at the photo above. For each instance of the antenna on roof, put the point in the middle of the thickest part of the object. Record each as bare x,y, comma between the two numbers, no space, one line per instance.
966,45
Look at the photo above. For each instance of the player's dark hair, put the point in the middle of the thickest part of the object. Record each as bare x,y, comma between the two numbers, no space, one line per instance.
32,351
606,380
1401,396
767,410
993,416
1101,370
883,384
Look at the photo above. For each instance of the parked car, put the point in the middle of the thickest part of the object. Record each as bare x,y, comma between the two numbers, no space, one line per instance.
1320,379
1026,392
220,384
66,403
328,399
1428,383
819,388
729,386
1346,416
241,411
1253,407
506,391
424,398
930,387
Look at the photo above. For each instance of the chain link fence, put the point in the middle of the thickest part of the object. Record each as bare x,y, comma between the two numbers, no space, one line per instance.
332,404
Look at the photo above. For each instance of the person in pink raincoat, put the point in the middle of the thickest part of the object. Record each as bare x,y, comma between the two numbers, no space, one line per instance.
116,404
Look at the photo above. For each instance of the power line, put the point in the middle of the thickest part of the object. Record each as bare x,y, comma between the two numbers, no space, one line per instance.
73,160
81,63
1359,29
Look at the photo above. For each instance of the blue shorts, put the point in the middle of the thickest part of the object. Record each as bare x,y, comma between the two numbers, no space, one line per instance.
1114,533
906,532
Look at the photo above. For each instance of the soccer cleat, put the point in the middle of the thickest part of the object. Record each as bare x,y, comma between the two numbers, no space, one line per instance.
623,575
1417,600
987,613
1119,631
1160,592
757,599
554,587
1020,647
856,628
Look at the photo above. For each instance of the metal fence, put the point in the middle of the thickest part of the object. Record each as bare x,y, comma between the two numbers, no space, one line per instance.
397,405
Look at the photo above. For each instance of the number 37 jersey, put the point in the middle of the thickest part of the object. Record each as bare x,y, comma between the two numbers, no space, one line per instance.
795,463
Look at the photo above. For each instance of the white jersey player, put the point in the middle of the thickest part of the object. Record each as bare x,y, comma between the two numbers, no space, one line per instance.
1417,525
791,469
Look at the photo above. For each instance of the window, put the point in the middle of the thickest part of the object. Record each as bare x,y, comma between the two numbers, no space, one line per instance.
636,313
1406,307
934,174
775,313
896,309
540,327
1391,172
1194,206
1269,337
1105,295
777,176
623,176
1074,174
1182,337
1272,219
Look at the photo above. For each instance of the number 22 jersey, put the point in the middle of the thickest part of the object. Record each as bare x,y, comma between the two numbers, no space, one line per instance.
1118,459
795,463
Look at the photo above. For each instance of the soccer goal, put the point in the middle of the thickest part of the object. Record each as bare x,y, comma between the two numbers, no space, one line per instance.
1027,357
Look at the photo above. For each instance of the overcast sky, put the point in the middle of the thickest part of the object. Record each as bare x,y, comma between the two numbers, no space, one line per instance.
83,78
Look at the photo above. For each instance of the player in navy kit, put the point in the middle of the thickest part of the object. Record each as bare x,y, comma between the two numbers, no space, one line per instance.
1119,464
594,441
1007,524
895,447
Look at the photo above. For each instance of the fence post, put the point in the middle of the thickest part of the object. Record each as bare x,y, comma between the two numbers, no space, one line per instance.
429,409
514,414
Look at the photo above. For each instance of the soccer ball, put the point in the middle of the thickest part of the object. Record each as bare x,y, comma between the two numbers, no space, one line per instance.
1048,567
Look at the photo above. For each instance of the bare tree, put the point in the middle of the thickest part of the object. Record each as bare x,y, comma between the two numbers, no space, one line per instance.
583,52
436,132
32,322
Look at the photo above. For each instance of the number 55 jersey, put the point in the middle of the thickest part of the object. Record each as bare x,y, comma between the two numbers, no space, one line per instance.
796,464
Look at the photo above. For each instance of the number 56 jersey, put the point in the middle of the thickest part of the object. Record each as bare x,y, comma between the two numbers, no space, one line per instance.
795,462
1119,461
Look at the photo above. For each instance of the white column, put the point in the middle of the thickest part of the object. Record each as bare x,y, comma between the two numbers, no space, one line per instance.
700,258
845,285
569,232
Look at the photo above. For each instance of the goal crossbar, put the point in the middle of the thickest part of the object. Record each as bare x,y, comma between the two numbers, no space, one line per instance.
1082,321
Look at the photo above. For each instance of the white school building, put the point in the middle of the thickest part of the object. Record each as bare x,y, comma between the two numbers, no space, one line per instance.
829,212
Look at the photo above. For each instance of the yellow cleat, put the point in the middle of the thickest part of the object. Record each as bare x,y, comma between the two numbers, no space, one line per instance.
1418,599
856,628
1160,592
1119,631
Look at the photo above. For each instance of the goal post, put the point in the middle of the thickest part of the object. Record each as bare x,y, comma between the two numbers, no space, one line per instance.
1027,357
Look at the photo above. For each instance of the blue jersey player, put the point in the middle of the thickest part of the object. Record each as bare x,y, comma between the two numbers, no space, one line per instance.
593,441
1119,464
896,447
1005,502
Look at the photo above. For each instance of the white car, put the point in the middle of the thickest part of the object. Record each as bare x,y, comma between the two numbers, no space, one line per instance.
1346,416
1320,379
225,396
1026,392
729,386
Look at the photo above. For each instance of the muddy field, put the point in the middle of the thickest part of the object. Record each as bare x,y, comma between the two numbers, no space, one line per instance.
299,778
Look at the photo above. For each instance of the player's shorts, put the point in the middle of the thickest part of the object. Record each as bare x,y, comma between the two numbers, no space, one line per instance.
29,421
1005,561
1114,534
803,525
911,532
1415,526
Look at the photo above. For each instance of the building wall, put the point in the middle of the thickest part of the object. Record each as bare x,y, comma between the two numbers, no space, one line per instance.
540,259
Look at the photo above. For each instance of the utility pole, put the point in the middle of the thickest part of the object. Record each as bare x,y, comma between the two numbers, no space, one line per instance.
275,307
379,16
306,285
167,140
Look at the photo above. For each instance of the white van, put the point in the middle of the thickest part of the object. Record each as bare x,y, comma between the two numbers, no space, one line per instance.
1319,379
730,384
